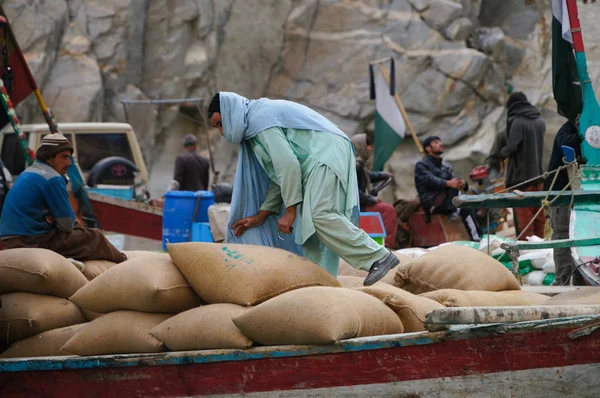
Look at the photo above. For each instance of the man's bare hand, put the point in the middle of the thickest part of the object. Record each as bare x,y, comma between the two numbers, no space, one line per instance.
241,226
454,183
287,220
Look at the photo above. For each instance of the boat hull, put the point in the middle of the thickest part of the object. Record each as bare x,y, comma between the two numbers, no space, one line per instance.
490,361
127,216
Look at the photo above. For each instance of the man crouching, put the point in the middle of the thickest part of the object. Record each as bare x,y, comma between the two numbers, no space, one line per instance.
37,211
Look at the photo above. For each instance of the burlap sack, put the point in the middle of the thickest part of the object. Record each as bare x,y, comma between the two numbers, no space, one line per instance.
131,254
346,269
38,271
474,298
587,295
411,309
317,315
25,314
454,267
203,328
120,332
244,274
91,315
46,344
93,268
147,284
390,277
351,282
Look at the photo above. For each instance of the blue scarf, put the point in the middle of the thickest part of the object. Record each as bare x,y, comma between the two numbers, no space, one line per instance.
242,120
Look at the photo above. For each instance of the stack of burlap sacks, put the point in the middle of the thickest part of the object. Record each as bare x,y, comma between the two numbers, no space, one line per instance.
35,286
213,296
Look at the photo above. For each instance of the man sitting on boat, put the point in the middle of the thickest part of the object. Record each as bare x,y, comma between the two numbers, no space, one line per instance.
363,147
293,156
437,185
37,211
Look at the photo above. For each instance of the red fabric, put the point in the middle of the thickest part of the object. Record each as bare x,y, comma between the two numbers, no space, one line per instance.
390,221
525,214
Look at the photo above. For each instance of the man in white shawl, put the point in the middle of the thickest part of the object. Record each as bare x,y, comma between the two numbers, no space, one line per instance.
296,164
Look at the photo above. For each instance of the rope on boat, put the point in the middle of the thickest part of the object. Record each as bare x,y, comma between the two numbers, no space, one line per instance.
545,203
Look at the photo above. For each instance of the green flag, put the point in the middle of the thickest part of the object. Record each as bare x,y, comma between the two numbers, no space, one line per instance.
565,81
389,123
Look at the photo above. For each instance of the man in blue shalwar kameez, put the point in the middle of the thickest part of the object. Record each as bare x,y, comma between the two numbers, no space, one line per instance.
295,163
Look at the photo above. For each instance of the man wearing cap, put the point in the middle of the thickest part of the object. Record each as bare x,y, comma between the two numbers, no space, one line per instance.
37,211
191,169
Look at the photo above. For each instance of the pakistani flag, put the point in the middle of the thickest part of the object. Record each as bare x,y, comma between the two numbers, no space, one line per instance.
565,81
389,123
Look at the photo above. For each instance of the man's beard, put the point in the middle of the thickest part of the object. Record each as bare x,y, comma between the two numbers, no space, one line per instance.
437,153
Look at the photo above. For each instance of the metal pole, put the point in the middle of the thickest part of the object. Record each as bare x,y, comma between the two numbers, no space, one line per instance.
210,154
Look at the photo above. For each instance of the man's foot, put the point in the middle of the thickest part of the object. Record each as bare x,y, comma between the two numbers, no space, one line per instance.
380,268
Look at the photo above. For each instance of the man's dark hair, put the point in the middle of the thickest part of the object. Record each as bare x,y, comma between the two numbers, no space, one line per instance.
214,106
515,97
368,140
427,142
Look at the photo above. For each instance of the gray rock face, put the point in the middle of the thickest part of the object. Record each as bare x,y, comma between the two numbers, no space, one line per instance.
455,60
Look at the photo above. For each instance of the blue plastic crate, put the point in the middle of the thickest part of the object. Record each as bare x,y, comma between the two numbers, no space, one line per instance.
201,232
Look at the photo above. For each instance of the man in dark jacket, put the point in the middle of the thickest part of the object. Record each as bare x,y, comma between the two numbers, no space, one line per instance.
435,180
569,136
437,185
525,134
191,169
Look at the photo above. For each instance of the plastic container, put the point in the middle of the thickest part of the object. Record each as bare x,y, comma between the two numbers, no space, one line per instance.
372,224
207,198
178,213
201,232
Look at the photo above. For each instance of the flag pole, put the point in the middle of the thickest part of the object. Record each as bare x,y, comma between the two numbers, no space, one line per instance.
400,106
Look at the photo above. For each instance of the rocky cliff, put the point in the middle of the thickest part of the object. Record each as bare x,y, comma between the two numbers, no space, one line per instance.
455,60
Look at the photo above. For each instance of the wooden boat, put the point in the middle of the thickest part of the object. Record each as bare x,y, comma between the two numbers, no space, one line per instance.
127,216
560,357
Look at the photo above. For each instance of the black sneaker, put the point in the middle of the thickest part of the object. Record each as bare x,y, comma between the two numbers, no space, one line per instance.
380,268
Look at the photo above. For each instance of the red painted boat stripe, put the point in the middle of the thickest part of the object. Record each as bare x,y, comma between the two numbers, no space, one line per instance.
452,358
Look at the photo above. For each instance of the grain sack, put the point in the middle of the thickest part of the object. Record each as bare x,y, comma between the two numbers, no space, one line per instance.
244,274
412,252
346,269
46,344
38,271
474,298
120,332
390,277
93,268
91,315
351,282
454,267
131,254
25,314
411,309
586,295
317,315
203,328
147,284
